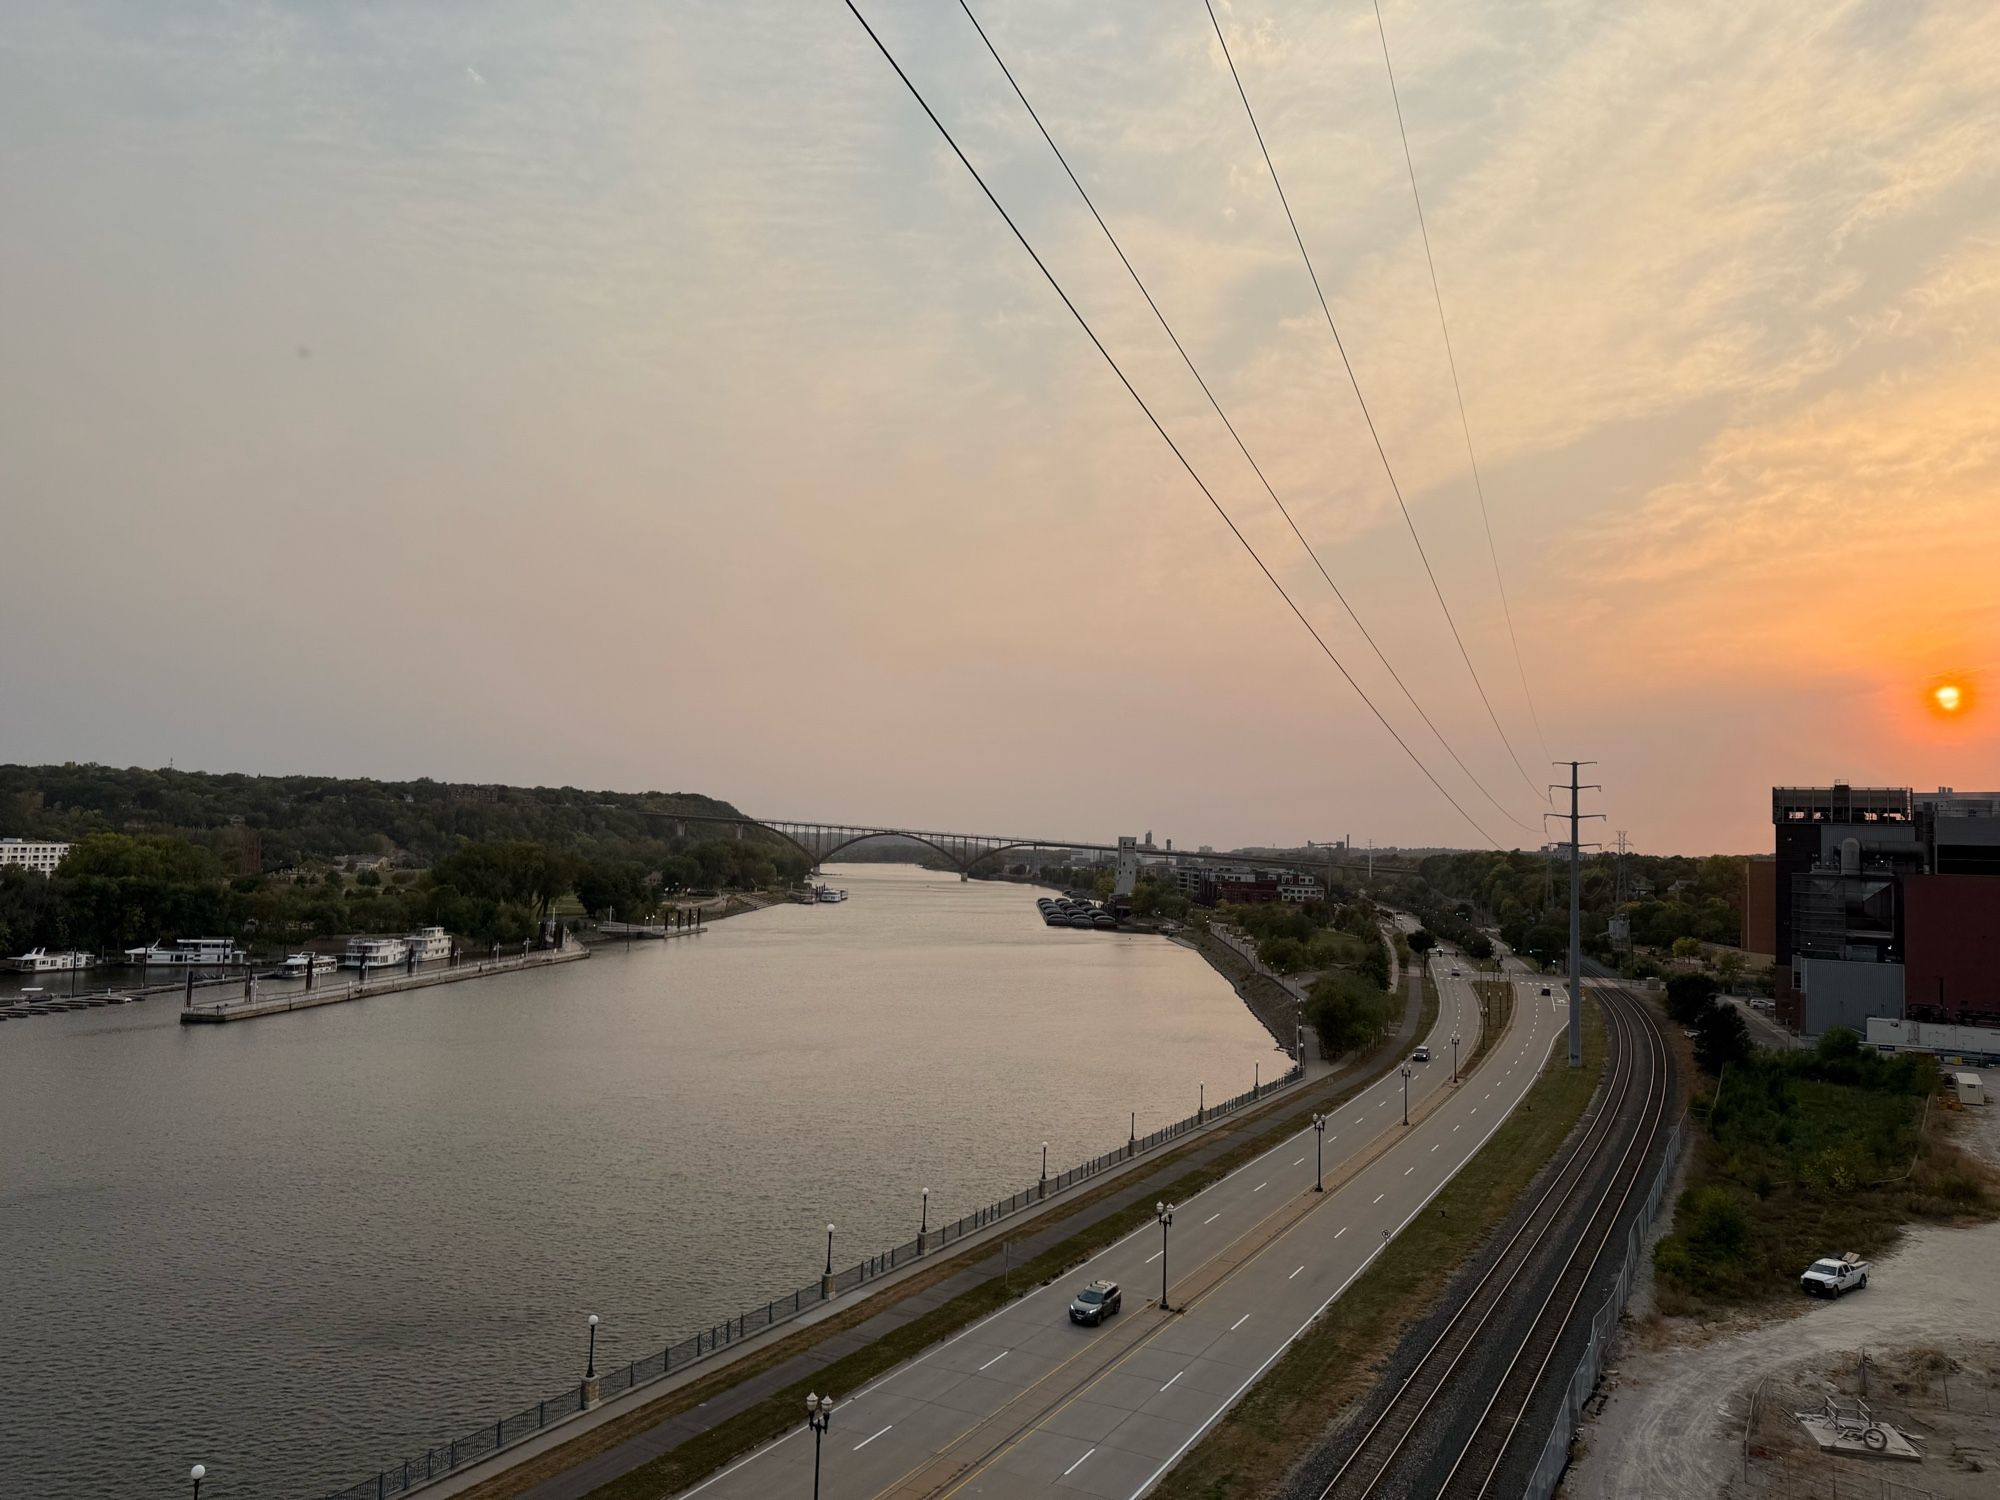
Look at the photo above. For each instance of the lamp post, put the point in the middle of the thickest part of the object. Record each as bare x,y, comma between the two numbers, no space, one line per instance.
197,1474
924,1225
1406,1093
829,1249
819,1413
1042,1188
1256,1079
1454,1057
1319,1153
1201,1105
590,1364
1164,1212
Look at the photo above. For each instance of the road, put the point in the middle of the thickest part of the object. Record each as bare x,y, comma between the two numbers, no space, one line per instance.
1026,1403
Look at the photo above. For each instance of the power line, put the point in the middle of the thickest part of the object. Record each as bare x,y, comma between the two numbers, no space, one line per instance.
1366,415
1241,447
1132,391
1451,359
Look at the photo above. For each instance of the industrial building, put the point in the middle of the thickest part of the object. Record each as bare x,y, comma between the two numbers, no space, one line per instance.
1880,902
43,856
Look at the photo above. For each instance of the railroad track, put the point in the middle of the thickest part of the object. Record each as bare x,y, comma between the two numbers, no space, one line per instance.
1628,1122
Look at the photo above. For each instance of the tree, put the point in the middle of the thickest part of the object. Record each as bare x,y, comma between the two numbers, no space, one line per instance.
1421,941
1720,1037
1687,947
1346,1012
1689,996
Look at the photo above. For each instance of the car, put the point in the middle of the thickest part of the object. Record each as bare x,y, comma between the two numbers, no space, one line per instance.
1454,974
1422,1054
1096,1302
1545,989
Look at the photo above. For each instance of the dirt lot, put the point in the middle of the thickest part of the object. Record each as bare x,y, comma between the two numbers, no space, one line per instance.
1674,1402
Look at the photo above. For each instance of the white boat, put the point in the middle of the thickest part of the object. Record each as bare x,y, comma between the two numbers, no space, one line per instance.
828,893
375,953
41,961
432,945
298,965
184,952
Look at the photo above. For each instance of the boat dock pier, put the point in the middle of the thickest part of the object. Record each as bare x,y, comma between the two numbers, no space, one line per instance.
246,1008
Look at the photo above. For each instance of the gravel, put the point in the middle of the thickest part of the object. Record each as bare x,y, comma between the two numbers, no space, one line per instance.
1679,1390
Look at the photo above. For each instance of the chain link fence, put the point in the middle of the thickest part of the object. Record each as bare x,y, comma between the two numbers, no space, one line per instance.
490,1437
1555,1453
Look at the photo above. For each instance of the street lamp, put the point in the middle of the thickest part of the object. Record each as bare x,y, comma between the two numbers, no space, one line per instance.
1406,1093
1319,1153
819,1413
197,1473
924,1227
1045,1164
1454,1057
1201,1106
829,1249
590,1364
1164,1212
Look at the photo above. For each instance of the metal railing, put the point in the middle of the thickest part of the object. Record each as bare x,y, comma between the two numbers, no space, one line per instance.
490,1437
1583,1380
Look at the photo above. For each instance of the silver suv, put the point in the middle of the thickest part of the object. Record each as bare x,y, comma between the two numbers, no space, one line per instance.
1096,1302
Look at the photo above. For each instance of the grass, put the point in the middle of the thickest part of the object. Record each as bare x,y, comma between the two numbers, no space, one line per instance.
1804,1155
1338,1359
709,1451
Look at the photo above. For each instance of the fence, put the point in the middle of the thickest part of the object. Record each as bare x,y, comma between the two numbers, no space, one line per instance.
1555,1453
490,1437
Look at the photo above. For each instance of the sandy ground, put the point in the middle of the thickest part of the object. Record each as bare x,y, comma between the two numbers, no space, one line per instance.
1669,1423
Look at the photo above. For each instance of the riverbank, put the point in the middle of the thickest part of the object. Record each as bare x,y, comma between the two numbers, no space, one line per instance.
220,1012
1275,1007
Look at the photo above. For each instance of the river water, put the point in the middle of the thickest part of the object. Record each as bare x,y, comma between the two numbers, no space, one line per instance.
296,1249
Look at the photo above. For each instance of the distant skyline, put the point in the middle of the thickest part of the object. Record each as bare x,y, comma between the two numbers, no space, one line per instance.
641,396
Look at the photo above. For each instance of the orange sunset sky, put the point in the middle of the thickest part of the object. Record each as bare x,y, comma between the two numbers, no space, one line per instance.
640,395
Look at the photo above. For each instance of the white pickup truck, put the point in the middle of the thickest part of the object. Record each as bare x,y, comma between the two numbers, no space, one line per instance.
1830,1278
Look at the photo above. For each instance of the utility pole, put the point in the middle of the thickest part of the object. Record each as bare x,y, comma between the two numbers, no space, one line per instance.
1576,817
1624,847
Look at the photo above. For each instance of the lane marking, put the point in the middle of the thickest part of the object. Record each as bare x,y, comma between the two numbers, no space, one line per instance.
1260,1187
1378,1198
1440,1143
1211,1219
1340,1231
1177,1376
996,1359
1408,1170
1078,1464
867,1440
1154,1256
1239,1323
1288,1278
1297,1162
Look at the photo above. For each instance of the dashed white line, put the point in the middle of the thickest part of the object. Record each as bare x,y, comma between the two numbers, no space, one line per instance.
1260,1187
1154,1256
1440,1143
1294,1274
1078,1464
1297,1162
1340,1231
996,1359
1408,1170
867,1440
1379,1197
1177,1376
1211,1219
1242,1320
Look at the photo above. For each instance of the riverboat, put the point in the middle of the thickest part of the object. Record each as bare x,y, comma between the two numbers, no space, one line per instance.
829,894
298,965
185,952
375,953
431,945
41,961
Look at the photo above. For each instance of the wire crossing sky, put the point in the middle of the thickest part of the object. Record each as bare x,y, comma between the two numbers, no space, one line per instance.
1207,494
1362,401
1457,391
1256,468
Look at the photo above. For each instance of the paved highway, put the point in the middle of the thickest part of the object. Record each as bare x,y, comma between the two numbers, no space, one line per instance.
1026,1403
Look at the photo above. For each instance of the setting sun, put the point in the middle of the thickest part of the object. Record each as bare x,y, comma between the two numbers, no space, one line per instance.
1948,698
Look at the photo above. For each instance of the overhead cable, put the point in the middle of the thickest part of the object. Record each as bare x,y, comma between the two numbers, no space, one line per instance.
1451,359
1366,415
1116,369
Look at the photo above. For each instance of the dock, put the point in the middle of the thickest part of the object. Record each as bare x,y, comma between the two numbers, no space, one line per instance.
217,1012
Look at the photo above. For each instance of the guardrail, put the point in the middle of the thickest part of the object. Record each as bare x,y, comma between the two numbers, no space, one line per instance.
1583,1380
503,1432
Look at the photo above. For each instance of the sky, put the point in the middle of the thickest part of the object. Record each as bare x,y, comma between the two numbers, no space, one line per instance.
642,396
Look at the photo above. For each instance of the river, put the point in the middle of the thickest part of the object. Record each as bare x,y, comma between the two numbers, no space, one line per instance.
297,1248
